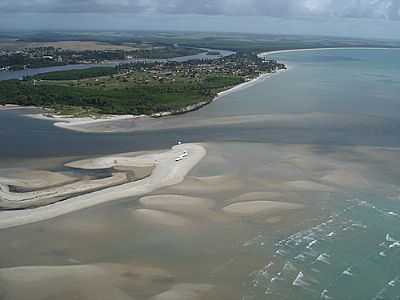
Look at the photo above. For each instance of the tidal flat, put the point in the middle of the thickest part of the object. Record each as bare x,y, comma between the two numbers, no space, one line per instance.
191,240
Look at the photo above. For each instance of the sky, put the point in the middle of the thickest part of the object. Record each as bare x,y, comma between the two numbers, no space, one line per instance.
364,18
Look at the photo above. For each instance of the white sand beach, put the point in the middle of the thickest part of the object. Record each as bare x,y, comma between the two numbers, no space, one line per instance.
263,54
244,85
167,171
71,122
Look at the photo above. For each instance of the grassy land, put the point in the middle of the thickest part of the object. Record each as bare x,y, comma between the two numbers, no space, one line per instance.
78,74
132,93
164,52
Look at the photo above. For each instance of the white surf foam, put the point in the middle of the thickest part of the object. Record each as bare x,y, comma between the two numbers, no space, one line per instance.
324,257
348,272
299,281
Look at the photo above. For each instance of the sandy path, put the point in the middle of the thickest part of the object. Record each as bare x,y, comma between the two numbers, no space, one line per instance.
166,172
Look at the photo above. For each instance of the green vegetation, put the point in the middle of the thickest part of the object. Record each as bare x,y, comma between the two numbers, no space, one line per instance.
164,52
135,88
133,93
78,74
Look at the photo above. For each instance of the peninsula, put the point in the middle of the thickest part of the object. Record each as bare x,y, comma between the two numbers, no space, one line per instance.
156,89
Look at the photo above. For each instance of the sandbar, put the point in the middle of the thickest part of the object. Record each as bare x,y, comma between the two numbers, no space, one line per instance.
167,171
258,196
251,208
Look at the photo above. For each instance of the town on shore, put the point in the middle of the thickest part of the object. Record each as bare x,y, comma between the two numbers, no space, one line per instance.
155,88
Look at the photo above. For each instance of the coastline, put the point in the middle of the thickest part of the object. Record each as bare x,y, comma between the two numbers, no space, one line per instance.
267,53
74,123
77,124
167,171
246,84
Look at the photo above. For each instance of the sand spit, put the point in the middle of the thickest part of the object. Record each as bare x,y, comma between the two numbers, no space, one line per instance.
167,171
177,203
157,217
71,122
33,179
251,208
185,291
13,107
12,200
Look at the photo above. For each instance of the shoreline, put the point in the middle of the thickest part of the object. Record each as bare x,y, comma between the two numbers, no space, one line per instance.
77,123
167,172
247,84
267,53
74,123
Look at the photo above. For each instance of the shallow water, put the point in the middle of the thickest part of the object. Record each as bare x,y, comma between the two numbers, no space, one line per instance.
342,245
351,254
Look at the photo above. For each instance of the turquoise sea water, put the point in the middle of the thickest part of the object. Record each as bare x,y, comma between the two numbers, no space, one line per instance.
354,251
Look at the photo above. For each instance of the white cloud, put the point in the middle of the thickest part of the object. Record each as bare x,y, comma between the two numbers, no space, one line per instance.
384,9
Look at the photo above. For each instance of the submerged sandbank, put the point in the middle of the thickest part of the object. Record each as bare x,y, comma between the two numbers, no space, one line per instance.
167,171
177,203
87,281
114,281
156,217
251,208
185,291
